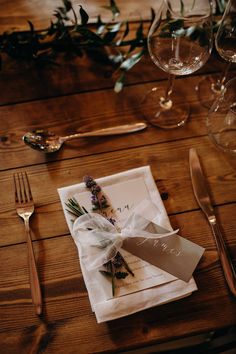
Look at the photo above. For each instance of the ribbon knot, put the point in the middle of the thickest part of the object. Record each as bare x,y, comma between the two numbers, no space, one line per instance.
99,240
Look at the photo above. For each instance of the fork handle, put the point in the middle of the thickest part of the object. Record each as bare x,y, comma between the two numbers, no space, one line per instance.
34,278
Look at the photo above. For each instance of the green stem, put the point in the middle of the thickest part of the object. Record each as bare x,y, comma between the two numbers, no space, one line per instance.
112,278
126,265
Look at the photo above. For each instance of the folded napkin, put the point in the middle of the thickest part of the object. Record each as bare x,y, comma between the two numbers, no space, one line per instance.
151,285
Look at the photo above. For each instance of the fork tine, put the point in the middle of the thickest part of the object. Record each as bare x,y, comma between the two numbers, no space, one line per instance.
23,192
15,185
28,187
19,175
18,189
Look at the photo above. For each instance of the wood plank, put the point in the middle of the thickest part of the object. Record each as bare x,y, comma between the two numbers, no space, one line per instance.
169,164
89,111
15,15
145,328
77,75
67,311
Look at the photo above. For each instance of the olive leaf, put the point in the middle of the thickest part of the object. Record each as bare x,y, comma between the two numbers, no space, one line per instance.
112,31
67,5
126,65
131,61
182,7
113,8
84,16
31,26
119,83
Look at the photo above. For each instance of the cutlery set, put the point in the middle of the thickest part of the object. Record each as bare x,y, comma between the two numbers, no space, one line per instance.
25,207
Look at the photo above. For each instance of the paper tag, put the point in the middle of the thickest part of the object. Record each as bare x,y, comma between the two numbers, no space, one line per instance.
174,254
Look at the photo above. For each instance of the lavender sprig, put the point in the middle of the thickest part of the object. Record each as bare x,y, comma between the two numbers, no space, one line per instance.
99,202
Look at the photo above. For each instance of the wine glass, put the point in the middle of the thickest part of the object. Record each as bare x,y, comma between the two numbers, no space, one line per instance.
221,120
225,43
179,42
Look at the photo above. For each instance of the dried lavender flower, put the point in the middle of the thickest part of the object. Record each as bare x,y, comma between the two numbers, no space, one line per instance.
89,181
98,200
95,189
117,263
121,275
112,221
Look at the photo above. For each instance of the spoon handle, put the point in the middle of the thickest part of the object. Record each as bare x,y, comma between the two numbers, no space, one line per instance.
119,129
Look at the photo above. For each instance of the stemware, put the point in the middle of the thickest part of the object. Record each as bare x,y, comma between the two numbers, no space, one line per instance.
225,43
179,42
221,120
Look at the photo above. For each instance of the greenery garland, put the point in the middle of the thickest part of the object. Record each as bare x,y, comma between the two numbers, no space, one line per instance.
74,36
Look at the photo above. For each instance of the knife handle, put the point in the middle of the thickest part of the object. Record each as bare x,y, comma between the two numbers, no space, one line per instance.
226,263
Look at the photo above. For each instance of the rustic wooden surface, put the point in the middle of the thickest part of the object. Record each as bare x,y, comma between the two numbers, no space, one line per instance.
78,96
14,14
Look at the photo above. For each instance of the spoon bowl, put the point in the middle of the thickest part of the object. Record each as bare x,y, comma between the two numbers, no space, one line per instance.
48,142
42,140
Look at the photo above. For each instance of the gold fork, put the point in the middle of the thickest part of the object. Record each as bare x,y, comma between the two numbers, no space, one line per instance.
25,208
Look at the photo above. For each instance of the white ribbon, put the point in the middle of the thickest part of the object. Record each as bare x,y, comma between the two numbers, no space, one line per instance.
99,240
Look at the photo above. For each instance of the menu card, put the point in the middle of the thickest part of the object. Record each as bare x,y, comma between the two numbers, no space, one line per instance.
151,285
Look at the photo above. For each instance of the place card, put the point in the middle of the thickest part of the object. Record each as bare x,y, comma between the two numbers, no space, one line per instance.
173,253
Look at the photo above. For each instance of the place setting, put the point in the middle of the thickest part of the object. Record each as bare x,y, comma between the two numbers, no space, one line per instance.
117,178
128,251
127,216
130,257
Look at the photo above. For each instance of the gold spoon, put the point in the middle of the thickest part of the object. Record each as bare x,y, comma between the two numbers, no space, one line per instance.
48,142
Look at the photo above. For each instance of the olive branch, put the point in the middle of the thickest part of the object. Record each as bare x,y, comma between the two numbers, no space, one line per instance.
72,35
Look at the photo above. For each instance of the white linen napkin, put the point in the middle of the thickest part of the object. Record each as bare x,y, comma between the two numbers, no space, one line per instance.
151,286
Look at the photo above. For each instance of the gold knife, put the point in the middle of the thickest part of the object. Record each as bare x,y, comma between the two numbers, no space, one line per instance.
203,198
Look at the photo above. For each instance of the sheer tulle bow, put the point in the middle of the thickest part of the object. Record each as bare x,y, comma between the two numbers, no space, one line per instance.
99,240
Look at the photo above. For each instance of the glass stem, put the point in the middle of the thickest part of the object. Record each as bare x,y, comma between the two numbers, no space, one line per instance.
166,102
219,85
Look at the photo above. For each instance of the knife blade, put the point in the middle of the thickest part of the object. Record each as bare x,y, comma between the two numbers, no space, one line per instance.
202,196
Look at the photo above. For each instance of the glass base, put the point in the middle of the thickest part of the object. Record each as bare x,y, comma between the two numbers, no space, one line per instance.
208,92
221,120
225,140
164,114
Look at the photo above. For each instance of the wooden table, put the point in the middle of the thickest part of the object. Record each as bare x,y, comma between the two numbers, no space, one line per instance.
79,96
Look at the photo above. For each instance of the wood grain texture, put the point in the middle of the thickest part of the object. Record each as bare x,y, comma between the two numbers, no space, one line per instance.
67,311
169,164
15,14
78,96
88,111
24,82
